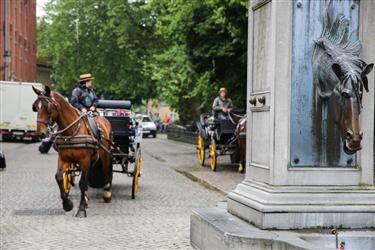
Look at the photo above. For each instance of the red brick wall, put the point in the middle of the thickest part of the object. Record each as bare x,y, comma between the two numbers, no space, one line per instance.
1,37
21,39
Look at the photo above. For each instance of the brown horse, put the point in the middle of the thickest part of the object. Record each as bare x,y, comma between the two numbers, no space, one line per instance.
53,108
241,139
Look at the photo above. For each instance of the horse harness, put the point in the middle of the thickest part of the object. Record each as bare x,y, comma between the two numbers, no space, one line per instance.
75,140
79,141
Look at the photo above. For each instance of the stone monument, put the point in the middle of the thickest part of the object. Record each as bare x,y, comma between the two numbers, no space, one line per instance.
294,180
284,188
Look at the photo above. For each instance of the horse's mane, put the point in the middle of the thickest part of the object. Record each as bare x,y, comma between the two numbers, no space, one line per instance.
342,47
336,39
61,99
337,32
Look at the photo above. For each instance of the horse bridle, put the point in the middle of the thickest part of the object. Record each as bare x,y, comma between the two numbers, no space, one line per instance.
50,104
50,123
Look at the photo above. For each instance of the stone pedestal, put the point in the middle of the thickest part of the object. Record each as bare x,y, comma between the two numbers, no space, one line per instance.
215,228
276,193
296,207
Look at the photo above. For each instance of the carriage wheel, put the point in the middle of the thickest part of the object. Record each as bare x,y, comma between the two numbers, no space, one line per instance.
136,173
213,155
201,150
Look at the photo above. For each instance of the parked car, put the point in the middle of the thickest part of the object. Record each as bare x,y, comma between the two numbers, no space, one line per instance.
148,126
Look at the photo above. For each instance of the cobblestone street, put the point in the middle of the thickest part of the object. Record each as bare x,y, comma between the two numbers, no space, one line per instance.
159,218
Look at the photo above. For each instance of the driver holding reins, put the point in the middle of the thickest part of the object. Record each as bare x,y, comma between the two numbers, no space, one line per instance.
83,96
222,104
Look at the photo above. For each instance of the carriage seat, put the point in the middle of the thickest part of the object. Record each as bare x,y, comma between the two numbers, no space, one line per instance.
220,116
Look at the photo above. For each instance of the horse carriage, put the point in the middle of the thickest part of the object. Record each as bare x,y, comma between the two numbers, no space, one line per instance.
89,145
125,146
222,136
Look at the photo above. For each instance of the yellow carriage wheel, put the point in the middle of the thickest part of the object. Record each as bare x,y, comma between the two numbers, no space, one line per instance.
213,155
201,150
136,174
67,181
68,178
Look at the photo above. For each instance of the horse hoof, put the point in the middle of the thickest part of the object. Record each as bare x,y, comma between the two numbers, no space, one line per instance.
107,200
67,205
107,196
81,214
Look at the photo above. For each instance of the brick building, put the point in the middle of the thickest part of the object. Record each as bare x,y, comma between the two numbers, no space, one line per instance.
18,17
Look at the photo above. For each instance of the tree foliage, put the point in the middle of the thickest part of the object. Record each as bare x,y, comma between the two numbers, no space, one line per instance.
176,50
107,38
203,49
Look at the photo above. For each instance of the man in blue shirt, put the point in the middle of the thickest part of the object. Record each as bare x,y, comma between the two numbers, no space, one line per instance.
83,96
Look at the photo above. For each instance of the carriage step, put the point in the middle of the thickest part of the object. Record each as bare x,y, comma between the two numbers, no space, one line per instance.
120,154
131,174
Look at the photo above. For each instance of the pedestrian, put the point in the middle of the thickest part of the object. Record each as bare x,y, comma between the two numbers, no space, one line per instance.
157,121
166,122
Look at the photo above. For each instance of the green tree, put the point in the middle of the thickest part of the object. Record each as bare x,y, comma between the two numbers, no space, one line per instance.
179,51
108,38
203,48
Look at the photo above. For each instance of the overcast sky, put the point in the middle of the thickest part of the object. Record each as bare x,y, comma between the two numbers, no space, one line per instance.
39,7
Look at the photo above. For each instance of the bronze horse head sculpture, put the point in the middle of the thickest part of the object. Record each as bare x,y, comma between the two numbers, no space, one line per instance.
340,77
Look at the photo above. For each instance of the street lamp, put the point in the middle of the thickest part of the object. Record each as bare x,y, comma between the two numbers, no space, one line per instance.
7,57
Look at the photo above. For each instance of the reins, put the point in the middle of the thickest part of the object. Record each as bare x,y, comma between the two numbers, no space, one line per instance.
235,115
70,125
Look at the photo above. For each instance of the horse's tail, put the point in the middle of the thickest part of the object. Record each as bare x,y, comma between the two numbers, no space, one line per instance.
336,30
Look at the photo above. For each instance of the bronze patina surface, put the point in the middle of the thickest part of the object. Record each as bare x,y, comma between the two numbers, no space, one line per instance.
340,79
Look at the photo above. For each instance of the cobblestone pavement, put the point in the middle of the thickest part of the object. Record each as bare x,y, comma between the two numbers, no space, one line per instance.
183,157
31,216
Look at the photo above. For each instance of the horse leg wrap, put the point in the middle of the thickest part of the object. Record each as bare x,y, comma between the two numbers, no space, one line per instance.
240,168
107,195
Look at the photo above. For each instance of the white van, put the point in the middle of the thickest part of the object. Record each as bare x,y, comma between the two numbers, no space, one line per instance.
17,120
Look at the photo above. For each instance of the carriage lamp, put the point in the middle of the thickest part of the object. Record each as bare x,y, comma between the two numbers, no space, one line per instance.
138,118
6,62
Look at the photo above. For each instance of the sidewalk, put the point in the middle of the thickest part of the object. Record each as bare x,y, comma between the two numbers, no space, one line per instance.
183,158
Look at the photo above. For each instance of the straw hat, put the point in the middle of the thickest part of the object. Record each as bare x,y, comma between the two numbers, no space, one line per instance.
223,90
85,77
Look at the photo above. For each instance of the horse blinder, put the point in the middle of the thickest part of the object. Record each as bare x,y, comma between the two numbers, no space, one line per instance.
34,108
50,105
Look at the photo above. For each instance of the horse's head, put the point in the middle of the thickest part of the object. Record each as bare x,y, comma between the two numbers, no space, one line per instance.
241,126
346,104
47,109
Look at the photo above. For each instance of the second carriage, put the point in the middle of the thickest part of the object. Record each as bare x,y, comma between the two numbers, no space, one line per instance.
219,137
